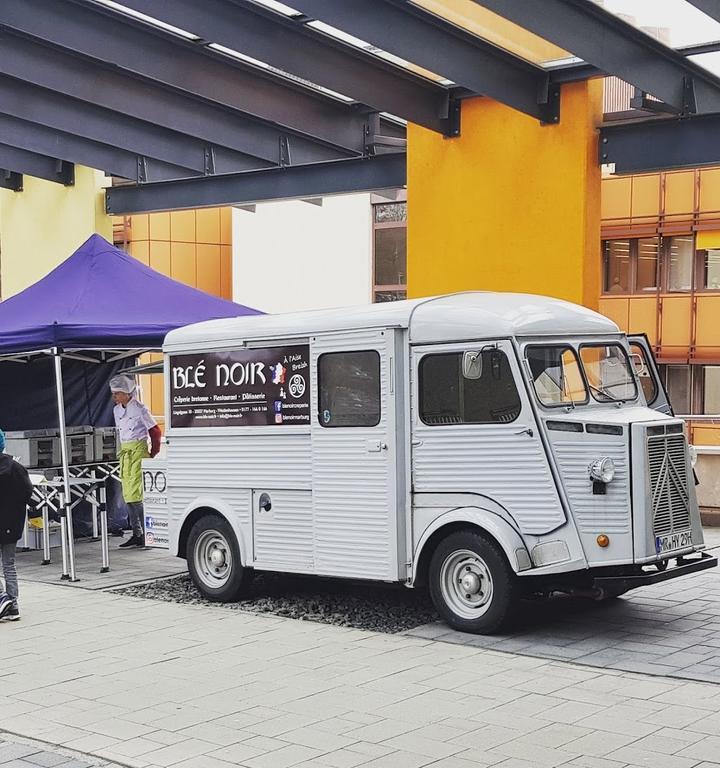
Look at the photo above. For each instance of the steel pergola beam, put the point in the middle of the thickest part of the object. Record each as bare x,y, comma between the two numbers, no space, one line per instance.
440,47
40,166
134,47
75,149
83,79
293,47
299,181
616,47
45,107
660,143
11,180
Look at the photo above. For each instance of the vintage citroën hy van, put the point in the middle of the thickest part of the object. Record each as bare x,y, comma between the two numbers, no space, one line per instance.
486,445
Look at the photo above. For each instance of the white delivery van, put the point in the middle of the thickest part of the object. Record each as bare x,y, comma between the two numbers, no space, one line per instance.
487,445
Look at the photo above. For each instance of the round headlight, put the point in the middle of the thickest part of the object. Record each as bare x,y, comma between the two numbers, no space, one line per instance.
602,470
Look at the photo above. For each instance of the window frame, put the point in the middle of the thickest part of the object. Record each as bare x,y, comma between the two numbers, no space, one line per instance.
572,404
597,345
656,383
319,388
666,242
633,259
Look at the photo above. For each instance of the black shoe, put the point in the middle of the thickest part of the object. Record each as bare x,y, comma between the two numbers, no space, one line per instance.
133,541
12,615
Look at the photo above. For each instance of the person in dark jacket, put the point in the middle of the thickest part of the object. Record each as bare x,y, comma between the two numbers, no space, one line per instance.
15,492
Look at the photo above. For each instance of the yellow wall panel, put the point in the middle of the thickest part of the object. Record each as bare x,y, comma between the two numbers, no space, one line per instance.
184,266
140,226
615,196
707,239
160,256
707,328
646,195
675,327
140,250
710,189
226,286
617,310
226,226
705,435
643,317
182,226
159,226
208,225
208,268
680,192
481,206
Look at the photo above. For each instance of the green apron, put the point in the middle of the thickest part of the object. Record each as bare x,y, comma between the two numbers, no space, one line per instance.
131,455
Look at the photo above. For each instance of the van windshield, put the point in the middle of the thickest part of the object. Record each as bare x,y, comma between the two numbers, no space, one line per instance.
608,372
556,375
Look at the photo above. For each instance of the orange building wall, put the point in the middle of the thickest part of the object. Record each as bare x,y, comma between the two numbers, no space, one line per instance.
684,328
194,247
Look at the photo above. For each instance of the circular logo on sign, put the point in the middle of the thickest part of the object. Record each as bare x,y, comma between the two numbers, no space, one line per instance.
149,538
297,385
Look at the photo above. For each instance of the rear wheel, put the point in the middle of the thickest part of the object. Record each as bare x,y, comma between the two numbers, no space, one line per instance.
471,583
214,560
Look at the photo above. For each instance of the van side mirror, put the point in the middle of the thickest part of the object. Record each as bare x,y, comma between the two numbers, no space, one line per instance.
472,365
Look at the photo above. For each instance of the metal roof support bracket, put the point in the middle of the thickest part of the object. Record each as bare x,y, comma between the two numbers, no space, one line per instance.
689,100
549,103
65,173
11,180
284,157
209,155
452,130
142,169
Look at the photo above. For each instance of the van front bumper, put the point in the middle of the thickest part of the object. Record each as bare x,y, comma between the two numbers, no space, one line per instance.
685,566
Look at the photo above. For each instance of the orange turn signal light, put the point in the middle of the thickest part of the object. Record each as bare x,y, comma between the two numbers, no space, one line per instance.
603,540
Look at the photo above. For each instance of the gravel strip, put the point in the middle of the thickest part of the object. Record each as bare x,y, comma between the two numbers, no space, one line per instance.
379,607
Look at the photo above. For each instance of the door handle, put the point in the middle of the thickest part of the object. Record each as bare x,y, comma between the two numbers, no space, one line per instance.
264,503
375,446
527,431
417,443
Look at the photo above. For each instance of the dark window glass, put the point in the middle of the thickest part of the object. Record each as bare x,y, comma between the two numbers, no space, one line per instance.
390,256
447,397
644,372
556,375
617,266
677,384
711,269
349,389
647,264
680,254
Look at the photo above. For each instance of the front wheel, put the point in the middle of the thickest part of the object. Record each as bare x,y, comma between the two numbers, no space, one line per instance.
471,583
214,560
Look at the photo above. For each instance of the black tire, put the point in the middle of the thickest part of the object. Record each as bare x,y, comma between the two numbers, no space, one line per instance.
469,554
221,583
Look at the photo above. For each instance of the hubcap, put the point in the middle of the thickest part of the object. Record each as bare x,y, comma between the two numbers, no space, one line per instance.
466,584
213,559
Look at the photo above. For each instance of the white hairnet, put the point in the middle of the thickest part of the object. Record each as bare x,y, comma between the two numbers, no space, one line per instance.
122,383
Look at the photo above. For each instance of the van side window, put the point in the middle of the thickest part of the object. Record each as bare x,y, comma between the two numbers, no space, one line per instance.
447,397
644,372
349,389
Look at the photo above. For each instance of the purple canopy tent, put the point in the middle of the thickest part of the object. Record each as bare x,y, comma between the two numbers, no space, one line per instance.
100,305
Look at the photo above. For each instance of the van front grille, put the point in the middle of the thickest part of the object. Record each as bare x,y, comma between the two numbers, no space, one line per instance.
668,484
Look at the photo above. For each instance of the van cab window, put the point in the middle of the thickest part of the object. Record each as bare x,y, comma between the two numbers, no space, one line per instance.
556,375
644,373
349,389
448,397
608,372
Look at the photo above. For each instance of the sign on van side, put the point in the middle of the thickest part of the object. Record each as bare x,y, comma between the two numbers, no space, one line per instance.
241,388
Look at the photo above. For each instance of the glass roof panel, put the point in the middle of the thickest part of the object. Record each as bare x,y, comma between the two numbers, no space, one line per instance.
675,23
479,21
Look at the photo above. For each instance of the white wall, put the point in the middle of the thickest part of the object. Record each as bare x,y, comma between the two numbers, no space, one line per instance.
293,255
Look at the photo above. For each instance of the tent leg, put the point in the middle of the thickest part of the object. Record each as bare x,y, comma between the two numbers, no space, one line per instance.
66,506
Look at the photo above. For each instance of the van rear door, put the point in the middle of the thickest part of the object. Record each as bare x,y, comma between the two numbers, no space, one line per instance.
649,374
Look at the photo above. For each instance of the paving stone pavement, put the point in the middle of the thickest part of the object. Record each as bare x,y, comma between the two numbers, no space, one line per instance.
15,753
149,684
671,628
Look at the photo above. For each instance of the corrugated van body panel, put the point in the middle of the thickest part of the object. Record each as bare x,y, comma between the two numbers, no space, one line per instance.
354,488
284,535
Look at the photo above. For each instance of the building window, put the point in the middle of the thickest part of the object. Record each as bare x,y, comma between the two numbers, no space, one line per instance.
631,265
447,397
677,384
349,389
646,272
679,256
710,268
389,251
711,389
617,266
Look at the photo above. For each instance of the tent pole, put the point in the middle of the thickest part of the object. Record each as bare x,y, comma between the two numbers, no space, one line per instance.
67,511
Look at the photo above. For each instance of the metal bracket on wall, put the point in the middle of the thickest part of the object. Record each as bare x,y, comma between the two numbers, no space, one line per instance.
11,180
549,103
65,172
453,119
284,152
209,161
641,100
142,169
375,140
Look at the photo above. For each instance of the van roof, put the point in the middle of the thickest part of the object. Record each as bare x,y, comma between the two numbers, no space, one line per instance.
459,316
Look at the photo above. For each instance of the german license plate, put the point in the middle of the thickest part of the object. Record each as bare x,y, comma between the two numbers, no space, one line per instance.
673,541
